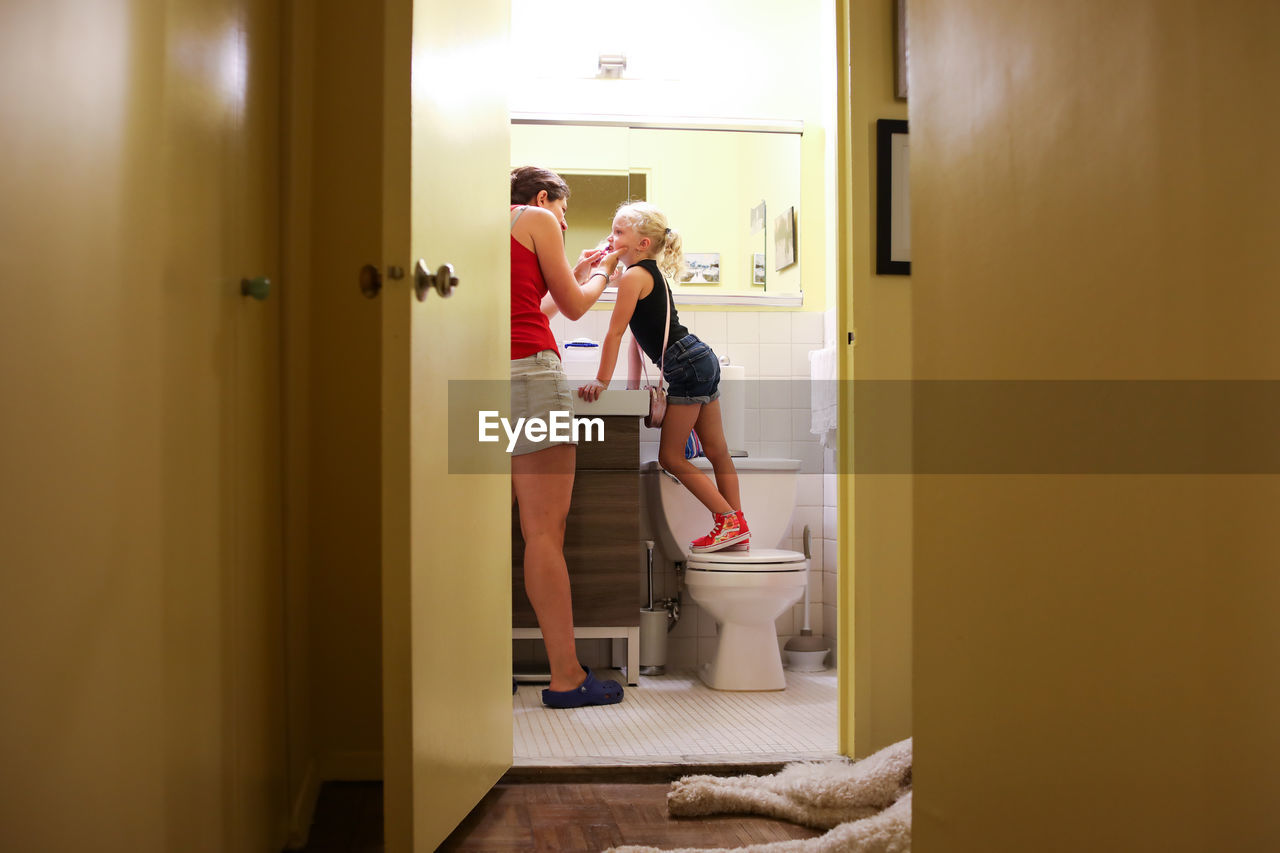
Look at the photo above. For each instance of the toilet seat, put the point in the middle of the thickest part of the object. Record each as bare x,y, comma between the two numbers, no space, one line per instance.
754,560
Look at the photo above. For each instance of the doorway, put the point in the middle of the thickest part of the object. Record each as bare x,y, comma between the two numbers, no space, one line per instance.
782,83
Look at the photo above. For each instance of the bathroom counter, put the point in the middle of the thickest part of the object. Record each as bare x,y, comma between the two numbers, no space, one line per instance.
611,402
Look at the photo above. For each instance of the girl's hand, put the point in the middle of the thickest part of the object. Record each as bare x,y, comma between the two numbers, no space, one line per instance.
591,391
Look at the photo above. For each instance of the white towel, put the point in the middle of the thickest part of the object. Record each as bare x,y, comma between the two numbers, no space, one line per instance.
823,396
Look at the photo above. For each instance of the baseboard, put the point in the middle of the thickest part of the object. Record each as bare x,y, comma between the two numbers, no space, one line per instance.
348,766
633,774
304,808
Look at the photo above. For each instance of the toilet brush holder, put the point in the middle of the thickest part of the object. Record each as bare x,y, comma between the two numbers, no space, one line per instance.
805,652
653,641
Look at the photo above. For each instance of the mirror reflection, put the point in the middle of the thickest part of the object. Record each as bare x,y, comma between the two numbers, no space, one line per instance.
734,195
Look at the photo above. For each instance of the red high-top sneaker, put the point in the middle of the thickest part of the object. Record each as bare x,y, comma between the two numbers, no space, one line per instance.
729,534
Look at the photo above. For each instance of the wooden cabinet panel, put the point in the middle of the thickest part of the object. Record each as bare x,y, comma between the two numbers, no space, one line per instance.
602,548
620,449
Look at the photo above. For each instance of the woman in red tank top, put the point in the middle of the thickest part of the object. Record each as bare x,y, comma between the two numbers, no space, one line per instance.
542,282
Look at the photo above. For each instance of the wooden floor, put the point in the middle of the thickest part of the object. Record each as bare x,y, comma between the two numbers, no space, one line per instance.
559,817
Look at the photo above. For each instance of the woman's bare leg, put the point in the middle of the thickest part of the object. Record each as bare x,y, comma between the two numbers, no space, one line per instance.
676,427
543,483
710,429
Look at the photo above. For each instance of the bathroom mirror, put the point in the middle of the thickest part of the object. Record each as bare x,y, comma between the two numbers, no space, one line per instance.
725,189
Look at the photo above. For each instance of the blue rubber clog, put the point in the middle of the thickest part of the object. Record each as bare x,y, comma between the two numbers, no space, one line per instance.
592,691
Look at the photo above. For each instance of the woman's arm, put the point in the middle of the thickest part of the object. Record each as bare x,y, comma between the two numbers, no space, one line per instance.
589,257
575,290
628,294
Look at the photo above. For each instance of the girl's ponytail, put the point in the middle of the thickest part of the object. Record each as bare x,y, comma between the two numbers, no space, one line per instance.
671,261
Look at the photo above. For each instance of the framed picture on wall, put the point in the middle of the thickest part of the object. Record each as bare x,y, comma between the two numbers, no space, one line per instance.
701,268
757,268
784,239
893,208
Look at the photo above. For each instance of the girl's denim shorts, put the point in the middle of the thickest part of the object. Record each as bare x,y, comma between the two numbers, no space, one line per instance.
538,388
692,372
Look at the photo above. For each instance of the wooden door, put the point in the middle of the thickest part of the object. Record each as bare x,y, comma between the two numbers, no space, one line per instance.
446,546
138,451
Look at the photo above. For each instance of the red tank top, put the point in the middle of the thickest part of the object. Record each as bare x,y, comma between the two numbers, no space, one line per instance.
530,328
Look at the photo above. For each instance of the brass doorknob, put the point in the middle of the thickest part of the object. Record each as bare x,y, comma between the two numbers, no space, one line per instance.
259,288
443,280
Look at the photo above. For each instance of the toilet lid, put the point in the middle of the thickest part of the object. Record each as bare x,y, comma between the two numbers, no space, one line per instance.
754,560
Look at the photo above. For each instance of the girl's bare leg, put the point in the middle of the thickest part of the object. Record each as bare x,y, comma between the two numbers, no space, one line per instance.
710,429
543,484
676,427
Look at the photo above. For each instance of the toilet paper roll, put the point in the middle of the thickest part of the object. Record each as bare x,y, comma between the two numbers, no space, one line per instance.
733,390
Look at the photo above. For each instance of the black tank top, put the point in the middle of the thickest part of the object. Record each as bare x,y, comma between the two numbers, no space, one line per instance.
646,320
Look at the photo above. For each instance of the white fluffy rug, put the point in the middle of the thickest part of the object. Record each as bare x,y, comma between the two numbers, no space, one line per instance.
866,804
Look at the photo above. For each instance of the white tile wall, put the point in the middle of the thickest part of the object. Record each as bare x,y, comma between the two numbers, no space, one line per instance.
743,327
775,361
806,328
775,328
713,326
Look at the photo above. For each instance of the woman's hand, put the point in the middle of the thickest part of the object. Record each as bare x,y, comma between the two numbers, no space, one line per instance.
609,264
586,263
591,391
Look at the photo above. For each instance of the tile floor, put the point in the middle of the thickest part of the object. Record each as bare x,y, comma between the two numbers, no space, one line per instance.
675,719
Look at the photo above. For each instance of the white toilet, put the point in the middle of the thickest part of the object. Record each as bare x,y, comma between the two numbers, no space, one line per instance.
746,591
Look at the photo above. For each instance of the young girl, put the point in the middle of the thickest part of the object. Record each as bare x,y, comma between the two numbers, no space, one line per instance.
643,241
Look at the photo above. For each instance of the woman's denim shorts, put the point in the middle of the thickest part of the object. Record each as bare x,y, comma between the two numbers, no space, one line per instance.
692,372
538,388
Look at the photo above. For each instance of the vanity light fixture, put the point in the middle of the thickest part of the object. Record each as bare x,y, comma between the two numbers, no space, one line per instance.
611,66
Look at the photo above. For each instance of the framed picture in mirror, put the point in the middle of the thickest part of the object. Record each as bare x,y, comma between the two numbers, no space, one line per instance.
701,268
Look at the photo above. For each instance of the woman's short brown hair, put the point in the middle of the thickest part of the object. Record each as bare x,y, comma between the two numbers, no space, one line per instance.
528,181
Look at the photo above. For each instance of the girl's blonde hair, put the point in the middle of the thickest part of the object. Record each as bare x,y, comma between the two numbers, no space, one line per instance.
648,221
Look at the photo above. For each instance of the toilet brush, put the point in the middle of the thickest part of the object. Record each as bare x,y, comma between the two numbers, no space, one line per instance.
812,650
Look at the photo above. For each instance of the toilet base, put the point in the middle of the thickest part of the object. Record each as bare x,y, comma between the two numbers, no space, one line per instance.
746,659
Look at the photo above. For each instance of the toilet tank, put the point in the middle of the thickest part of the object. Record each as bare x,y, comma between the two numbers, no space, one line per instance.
767,487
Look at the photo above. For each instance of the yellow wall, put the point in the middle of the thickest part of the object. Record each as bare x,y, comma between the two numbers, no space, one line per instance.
1094,197
875,510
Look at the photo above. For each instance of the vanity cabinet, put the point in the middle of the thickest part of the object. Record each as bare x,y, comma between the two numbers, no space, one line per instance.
602,546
